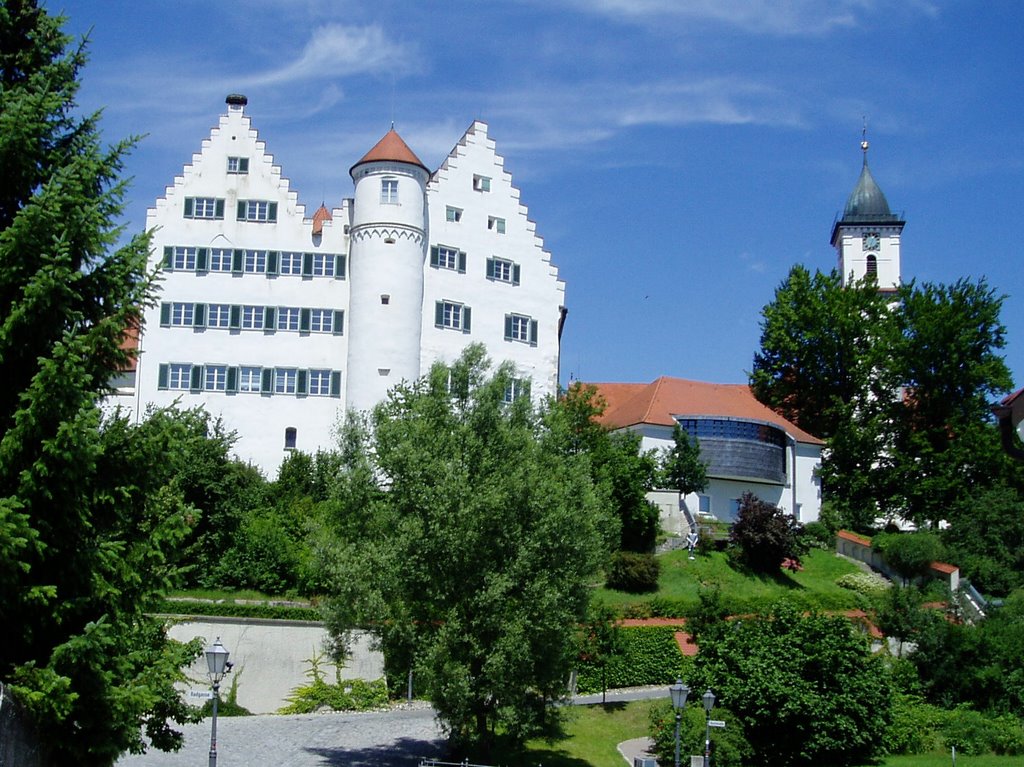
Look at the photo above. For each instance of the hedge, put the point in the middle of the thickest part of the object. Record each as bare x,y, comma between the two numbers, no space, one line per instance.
236,610
649,655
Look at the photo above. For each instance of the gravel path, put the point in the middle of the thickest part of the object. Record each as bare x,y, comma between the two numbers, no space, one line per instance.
372,739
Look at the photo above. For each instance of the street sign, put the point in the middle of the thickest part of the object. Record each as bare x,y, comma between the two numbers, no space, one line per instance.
200,695
716,723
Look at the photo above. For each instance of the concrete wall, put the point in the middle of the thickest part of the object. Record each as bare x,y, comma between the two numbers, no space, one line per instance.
271,658
19,744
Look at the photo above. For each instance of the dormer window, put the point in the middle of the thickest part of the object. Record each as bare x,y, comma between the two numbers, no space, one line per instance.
238,165
389,191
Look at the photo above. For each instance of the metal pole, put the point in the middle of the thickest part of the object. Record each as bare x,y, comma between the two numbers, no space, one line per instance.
213,733
679,716
707,739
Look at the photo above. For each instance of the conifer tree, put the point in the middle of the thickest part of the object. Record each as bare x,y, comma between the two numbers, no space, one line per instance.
84,530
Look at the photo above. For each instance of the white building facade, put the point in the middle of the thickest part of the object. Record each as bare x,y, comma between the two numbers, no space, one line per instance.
278,322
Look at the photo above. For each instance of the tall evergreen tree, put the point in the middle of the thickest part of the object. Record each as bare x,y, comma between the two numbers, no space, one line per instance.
85,534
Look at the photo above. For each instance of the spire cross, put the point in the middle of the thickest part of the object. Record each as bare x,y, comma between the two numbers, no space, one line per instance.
864,138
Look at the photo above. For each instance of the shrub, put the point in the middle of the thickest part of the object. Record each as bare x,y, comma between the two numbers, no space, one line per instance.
909,554
766,535
646,655
819,535
632,572
729,748
343,695
868,584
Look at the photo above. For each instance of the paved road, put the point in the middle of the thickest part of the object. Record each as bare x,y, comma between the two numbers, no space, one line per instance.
397,737
372,739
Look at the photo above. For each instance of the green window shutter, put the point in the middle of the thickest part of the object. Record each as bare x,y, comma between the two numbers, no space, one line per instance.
168,257
199,316
267,381
302,382
196,384
189,206
237,261
202,257
515,274
165,315
304,316
307,264
466,316
232,379
240,213
339,267
508,327
272,212
219,208
161,376
339,323
272,259
462,262
435,258
533,332
243,164
439,314
335,383
525,387
235,316
490,268
269,319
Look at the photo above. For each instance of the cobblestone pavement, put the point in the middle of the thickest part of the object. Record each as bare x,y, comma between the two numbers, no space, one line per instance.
373,739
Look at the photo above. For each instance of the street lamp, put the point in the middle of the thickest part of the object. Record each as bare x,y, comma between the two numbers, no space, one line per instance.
709,703
678,691
217,665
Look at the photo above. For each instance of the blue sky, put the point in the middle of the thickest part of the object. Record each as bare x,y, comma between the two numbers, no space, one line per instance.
678,156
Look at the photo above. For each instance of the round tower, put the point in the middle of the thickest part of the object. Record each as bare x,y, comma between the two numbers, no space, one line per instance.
387,248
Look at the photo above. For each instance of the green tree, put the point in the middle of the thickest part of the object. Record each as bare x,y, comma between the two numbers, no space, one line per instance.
909,554
986,539
476,568
805,688
601,641
900,615
87,534
765,535
681,466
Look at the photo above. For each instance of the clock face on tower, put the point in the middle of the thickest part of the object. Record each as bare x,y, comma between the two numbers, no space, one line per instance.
871,241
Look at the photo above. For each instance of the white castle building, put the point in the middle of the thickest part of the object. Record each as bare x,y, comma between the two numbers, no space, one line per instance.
278,321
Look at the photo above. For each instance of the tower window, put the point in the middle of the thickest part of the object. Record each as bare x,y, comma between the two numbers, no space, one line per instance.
872,267
389,191
291,436
448,314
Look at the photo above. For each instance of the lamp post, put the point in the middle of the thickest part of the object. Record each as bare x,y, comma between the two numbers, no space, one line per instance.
678,691
217,665
709,703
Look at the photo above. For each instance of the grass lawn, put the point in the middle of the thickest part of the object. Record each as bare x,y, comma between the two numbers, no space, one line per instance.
592,734
813,587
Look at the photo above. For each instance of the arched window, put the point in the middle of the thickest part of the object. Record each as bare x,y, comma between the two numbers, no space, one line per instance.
290,437
872,265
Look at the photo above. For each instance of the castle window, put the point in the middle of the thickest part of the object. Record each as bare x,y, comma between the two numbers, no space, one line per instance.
481,183
252,318
291,436
215,377
453,215
218,315
704,504
389,191
255,261
291,262
323,265
872,266
321,320
285,380
517,388
182,314
220,259
455,316
257,211
238,165
204,207
288,318
445,257
184,258
249,379
496,224
520,328
176,376
319,383
502,270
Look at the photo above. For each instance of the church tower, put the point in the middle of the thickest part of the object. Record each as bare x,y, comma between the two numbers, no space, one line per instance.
867,237
387,248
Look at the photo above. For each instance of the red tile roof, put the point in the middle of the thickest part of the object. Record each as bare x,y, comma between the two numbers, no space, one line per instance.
854,537
391,148
659,401
321,215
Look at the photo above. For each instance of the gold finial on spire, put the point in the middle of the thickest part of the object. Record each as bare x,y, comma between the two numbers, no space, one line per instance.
864,137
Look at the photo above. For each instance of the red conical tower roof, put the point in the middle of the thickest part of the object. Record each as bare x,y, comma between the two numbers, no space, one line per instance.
321,215
391,148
